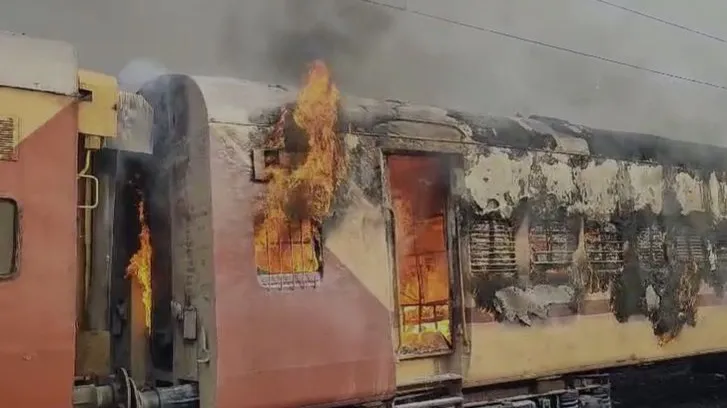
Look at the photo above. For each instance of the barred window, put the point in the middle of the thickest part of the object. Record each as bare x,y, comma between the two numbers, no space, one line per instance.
287,255
287,249
689,246
650,246
604,247
8,237
552,244
492,247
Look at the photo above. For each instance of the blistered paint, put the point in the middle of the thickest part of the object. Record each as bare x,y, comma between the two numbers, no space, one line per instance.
598,198
498,176
647,182
716,192
688,191
557,175
594,189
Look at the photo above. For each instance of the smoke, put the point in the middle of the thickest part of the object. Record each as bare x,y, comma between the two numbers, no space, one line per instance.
138,72
388,54
292,33
381,53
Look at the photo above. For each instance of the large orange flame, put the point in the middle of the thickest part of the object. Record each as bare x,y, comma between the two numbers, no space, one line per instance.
305,189
139,268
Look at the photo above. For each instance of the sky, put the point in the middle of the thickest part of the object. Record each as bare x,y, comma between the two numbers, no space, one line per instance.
381,53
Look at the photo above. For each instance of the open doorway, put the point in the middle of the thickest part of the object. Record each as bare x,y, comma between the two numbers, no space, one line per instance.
419,189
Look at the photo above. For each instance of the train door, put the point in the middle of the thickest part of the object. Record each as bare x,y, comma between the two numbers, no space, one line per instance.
419,191
418,187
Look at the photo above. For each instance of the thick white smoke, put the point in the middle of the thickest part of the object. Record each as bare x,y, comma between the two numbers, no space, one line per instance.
138,72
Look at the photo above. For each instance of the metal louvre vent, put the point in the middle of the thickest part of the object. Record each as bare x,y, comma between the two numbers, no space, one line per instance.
7,138
552,244
650,246
689,246
604,248
492,247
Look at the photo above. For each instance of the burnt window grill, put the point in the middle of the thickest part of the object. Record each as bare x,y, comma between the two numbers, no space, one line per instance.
288,257
492,247
720,249
8,237
604,248
8,138
552,244
689,246
650,246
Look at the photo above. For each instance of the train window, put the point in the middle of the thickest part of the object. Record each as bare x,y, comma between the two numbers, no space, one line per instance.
650,247
604,248
418,189
287,254
492,248
552,244
287,249
689,246
8,237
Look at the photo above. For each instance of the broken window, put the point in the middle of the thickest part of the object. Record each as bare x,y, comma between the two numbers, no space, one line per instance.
552,244
650,247
492,247
8,237
287,247
419,187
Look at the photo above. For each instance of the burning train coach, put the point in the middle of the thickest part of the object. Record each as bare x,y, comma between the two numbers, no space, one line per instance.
248,245
382,248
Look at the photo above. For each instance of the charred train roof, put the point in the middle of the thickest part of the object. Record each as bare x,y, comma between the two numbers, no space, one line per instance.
239,101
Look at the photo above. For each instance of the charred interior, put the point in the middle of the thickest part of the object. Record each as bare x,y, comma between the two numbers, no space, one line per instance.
140,289
419,187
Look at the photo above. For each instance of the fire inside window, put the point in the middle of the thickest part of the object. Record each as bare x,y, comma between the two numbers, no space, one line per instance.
287,251
650,247
419,188
8,237
492,248
552,244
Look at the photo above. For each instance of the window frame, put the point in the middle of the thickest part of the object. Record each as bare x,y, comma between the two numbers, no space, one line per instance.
15,258
452,245
297,280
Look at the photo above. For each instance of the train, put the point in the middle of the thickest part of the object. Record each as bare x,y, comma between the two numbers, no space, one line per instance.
216,242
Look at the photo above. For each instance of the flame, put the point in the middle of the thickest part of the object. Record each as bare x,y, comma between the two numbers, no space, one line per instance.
305,189
139,268
419,200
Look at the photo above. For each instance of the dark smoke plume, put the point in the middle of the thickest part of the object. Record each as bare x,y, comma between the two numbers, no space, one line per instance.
344,33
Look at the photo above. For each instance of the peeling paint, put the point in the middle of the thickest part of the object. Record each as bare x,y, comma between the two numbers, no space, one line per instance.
647,182
688,190
499,176
598,198
521,305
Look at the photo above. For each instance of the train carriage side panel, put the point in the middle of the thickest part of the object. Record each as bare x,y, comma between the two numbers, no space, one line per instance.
576,228
38,265
282,334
